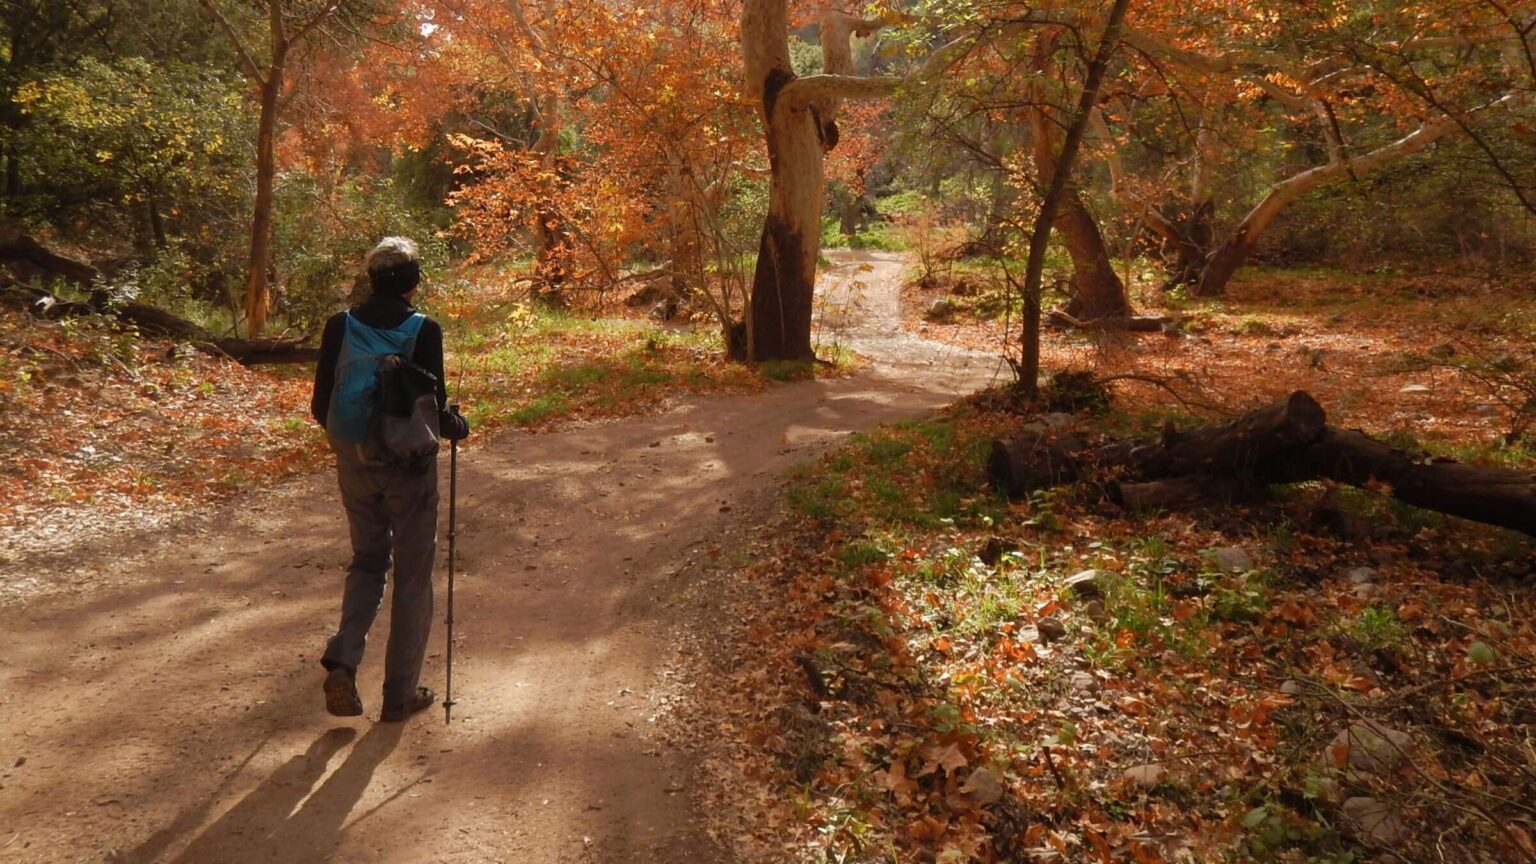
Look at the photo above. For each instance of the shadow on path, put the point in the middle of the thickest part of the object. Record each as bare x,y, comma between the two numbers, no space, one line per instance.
286,817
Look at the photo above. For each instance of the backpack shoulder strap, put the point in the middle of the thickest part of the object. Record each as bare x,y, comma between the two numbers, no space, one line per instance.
411,328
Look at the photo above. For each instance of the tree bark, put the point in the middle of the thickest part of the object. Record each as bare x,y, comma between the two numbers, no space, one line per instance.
1028,369
1097,291
799,124
269,84
1287,442
1497,496
257,263
779,315
1033,460
684,237
1239,447
1181,493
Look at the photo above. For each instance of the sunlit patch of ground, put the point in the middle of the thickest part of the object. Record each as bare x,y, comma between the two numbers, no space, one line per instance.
101,428
1445,360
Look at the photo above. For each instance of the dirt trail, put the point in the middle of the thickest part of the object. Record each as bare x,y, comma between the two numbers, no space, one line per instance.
159,699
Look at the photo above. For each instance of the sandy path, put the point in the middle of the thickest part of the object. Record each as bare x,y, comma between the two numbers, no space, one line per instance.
159,699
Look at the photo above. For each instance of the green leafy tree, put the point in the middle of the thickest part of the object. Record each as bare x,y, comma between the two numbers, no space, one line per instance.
144,137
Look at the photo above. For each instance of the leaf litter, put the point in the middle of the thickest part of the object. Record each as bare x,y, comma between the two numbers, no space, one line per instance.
904,673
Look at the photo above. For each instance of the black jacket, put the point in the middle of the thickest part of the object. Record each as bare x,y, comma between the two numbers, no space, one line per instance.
384,313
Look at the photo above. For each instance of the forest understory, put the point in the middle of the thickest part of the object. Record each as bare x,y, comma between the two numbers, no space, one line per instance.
105,431
920,670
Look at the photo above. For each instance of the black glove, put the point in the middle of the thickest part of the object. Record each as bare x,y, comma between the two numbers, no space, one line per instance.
453,426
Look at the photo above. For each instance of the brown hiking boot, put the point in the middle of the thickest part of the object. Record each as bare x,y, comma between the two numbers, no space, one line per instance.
395,713
341,697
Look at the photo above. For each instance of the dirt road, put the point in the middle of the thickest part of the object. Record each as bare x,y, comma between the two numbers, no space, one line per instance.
159,698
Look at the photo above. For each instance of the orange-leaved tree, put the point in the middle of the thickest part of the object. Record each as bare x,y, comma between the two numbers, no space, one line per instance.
636,128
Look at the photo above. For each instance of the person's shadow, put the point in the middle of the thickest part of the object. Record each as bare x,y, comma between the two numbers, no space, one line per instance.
264,826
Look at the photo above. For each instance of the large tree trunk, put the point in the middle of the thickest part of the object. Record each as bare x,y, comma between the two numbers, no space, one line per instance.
779,314
1097,291
799,123
783,285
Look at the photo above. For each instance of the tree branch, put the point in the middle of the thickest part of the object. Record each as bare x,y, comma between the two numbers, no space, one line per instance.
801,92
315,21
246,60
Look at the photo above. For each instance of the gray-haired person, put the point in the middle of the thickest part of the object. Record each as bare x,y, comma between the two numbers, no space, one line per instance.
391,509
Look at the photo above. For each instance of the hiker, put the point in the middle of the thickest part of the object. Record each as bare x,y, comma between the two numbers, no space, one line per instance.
391,508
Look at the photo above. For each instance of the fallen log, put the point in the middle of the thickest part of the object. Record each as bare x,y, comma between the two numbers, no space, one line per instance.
1496,496
16,246
1019,464
1035,459
1287,442
1182,493
153,321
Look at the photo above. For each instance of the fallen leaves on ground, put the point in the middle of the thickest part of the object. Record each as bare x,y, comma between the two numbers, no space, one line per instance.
1394,354
909,676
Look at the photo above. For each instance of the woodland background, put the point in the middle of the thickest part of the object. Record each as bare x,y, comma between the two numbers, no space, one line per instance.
1163,215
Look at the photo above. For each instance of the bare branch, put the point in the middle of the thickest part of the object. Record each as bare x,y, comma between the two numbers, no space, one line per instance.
315,20
247,62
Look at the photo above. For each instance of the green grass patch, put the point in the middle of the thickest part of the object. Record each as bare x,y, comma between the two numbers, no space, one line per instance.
525,366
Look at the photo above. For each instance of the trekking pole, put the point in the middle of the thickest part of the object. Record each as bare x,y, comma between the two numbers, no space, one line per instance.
453,500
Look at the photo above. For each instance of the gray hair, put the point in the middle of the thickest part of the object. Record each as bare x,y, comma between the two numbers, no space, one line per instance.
392,252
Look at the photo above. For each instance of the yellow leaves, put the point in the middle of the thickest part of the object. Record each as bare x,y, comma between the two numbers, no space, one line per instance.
471,144
27,94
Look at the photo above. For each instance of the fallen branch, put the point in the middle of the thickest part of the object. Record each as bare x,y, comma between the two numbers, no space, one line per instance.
1131,324
16,246
153,321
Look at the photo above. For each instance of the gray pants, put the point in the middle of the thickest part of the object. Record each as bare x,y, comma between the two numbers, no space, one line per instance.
389,510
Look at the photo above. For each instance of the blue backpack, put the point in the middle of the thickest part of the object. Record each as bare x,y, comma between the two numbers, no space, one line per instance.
382,403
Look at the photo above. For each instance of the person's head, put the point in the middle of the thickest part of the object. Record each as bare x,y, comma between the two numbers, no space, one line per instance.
394,267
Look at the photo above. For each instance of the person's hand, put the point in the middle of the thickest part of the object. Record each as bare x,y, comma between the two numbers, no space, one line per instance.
453,425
